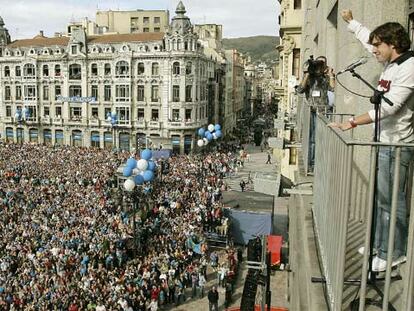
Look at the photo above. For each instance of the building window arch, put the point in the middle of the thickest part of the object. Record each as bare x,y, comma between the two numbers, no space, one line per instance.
75,72
122,68
176,68
45,70
155,69
189,68
141,69
107,69
94,69
6,71
29,70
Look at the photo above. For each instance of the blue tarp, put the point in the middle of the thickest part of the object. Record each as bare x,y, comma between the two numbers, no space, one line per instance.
247,225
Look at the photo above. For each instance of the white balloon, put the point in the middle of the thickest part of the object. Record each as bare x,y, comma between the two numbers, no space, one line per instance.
142,164
200,143
129,185
211,128
214,136
205,141
135,171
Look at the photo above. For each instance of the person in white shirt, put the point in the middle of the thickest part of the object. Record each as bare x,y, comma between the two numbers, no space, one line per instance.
390,44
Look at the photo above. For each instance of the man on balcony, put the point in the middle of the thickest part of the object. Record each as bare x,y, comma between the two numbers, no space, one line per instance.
317,82
390,45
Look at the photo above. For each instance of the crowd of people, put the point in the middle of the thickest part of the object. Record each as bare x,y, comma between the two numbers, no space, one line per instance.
67,240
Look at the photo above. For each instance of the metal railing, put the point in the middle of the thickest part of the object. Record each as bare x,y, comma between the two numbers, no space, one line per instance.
344,186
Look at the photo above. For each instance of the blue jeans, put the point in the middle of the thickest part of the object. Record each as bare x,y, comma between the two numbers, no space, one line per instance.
386,163
311,153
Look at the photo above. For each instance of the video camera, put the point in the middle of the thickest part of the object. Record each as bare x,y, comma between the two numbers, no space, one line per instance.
315,67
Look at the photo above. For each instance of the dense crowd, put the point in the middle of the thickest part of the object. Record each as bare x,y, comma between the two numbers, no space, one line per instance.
67,239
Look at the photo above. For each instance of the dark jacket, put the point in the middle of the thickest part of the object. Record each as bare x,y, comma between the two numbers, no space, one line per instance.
213,296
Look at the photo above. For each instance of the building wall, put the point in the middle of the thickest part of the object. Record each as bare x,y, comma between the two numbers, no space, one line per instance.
133,21
291,20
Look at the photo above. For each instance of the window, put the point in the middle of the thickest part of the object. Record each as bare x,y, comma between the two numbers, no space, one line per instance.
122,68
18,92
141,69
188,114
45,70
176,68
57,70
45,92
94,70
146,29
123,115
134,21
188,93
46,112
157,29
75,72
107,93
154,93
7,93
176,93
74,49
29,70
297,4
75,113
141,114
94,112
75,91
296,63
155,69
107,69
58,91
157,20
140,93
146,20
122,93
18,71
8,111
7,71
58,112
30,92
94,92
188,68
176,114
107,111
154,115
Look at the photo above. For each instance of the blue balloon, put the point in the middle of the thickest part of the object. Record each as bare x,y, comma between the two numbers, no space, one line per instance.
132,163
217,127
151,166
148,175
127,171
113,114
209,136
219,133
201,132
146,154
139,180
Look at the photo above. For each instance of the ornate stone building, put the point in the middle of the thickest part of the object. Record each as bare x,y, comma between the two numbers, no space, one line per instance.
61,90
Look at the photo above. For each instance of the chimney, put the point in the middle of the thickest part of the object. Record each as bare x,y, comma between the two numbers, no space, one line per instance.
41,33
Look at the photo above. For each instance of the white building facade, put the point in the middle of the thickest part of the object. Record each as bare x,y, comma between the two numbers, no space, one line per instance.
155,83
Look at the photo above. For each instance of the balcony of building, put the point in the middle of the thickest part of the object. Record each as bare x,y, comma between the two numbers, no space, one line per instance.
328,227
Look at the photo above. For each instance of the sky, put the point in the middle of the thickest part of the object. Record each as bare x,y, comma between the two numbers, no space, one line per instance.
240,18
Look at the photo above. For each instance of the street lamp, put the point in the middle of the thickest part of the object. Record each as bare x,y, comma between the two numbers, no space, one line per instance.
138,173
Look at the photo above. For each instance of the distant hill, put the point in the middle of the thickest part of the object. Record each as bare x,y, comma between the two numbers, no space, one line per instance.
260,48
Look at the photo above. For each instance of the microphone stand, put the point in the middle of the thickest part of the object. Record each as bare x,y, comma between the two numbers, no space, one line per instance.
375,99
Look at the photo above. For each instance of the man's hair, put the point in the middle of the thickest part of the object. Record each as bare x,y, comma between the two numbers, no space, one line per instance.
392,34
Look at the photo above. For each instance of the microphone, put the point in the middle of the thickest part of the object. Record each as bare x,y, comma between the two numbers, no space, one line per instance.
359,62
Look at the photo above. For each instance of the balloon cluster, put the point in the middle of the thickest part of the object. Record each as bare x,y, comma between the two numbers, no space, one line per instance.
212,132
22,114
112,117
139,171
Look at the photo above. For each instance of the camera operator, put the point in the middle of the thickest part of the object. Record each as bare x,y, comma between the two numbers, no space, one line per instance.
318,84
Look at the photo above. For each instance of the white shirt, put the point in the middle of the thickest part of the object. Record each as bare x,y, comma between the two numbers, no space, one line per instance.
397,80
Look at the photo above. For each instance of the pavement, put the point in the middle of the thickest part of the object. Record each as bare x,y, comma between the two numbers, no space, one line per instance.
253,201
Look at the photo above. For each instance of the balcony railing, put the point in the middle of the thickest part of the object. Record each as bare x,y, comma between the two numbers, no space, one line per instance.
344,185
